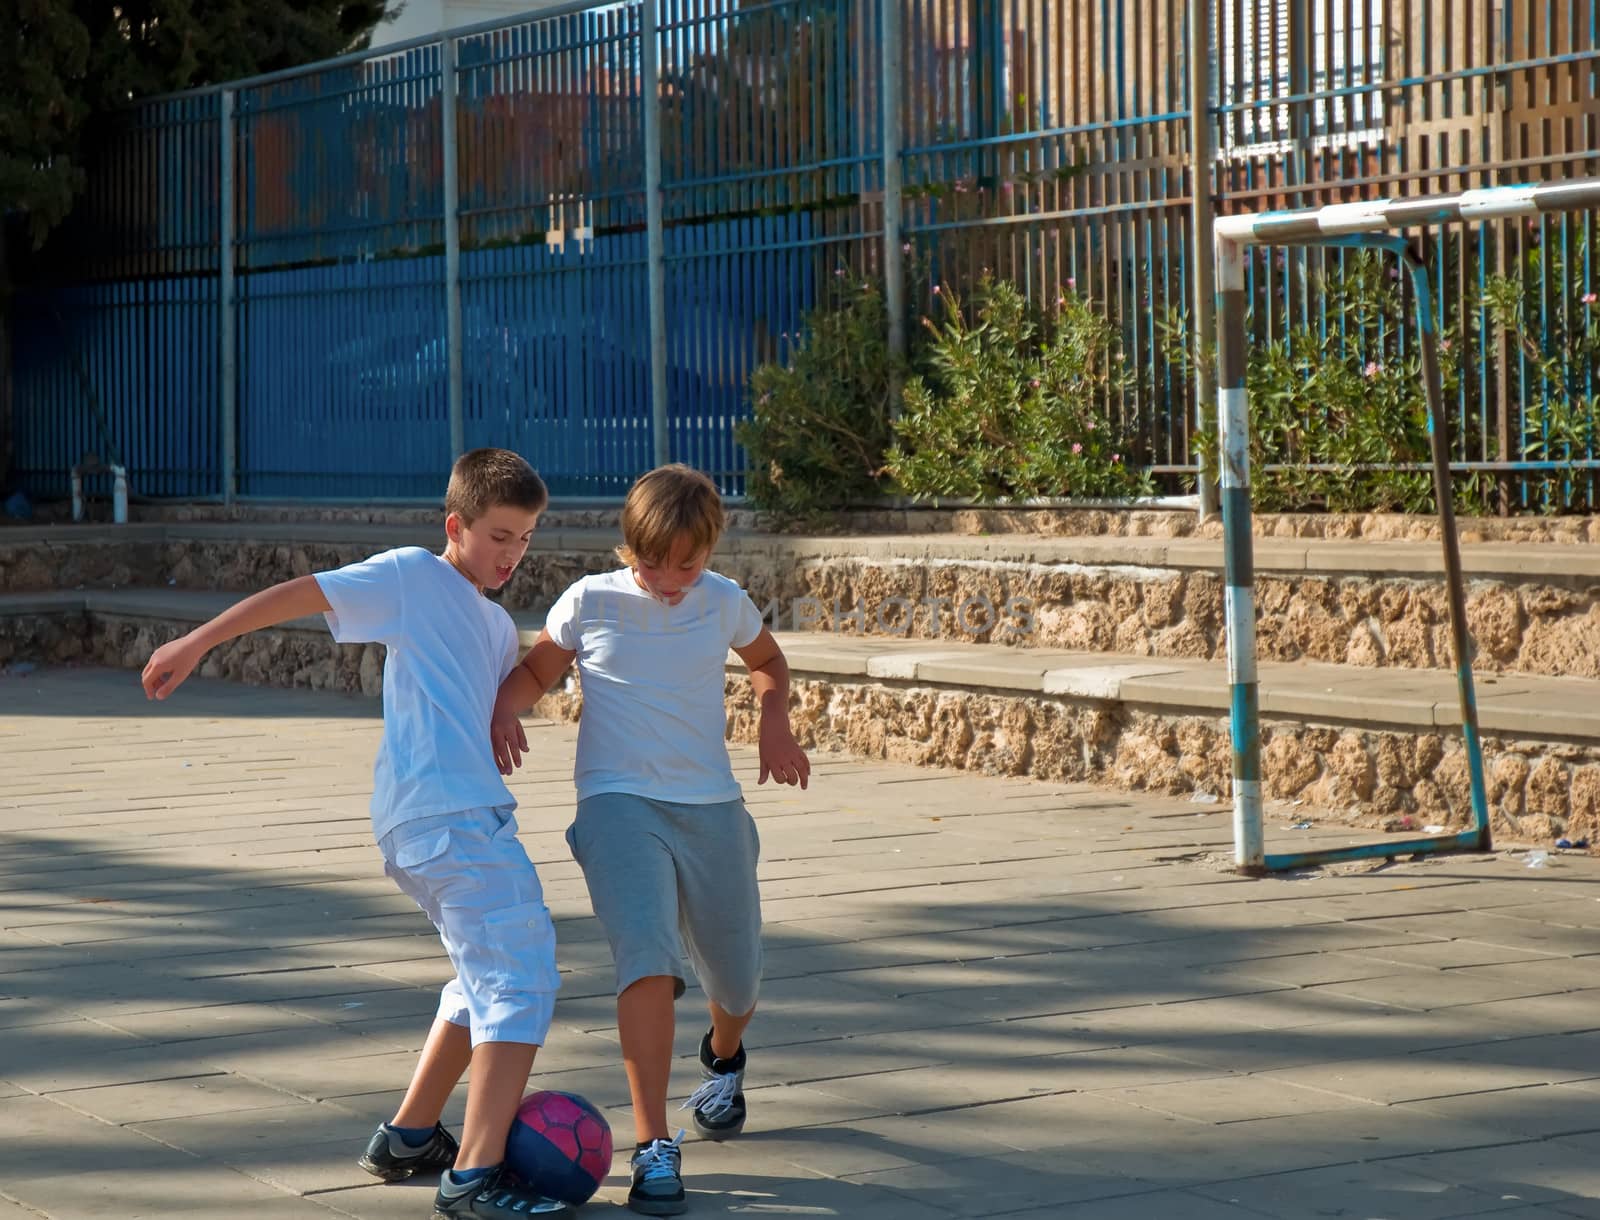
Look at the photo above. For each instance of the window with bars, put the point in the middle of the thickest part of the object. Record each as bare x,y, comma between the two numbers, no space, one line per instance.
1328,54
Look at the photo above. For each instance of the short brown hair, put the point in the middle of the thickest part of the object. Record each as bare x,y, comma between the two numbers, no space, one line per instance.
668,503
483,479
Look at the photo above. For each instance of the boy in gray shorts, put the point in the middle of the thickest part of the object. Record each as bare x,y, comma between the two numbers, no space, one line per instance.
442,816
662,835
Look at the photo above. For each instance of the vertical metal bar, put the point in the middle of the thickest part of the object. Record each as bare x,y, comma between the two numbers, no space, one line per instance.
1455,584
449,155
650,101
1238,550
226,316
1296,272
891,73
1203,216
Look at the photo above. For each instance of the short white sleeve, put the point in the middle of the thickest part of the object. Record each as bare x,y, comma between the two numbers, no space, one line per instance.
513,648
747,620
365,599
562,621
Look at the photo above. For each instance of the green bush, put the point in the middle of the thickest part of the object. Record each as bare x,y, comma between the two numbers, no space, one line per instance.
820,424
1553,321
1332,405
1013,406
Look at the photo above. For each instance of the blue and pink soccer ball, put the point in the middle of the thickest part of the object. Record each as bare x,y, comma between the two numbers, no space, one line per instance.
560,1145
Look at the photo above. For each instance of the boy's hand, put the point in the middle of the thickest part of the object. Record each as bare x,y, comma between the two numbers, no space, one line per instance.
169,665
509,741
781,755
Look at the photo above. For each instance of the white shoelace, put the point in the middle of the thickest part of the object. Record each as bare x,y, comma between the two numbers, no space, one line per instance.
660,1160
715,1096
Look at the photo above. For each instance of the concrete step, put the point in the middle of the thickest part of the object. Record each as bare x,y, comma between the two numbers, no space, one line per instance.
1570,564
1375,744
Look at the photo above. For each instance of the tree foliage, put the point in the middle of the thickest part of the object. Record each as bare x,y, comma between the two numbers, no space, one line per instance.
62,62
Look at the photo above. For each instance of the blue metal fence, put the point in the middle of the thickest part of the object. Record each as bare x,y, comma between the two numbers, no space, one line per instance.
342,389
91,359
1044,141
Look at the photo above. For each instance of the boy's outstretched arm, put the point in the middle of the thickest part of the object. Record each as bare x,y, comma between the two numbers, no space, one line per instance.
170,664
781,755
524,686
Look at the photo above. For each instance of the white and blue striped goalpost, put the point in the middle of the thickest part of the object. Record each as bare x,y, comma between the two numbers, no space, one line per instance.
1373,225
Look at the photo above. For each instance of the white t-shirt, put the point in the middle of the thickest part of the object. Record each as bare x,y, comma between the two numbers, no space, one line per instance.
653,719
449,650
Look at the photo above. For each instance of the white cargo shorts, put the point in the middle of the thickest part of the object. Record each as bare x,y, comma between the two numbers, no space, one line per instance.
472,878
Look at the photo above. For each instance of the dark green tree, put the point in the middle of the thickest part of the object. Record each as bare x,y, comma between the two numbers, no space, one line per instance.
142,47
44,56
64,62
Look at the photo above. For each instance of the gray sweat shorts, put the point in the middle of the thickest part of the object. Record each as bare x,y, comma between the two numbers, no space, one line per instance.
665,879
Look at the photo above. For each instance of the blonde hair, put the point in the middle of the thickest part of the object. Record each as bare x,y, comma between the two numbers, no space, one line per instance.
483,479
669,503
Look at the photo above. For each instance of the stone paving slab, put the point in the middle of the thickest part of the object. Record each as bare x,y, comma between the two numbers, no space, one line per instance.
985,996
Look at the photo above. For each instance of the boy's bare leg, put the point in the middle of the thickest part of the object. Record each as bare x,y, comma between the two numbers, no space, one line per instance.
500,1073
727,1031
644,1024
445,1056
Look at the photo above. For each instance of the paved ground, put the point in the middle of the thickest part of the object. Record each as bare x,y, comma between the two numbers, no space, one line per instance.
985,997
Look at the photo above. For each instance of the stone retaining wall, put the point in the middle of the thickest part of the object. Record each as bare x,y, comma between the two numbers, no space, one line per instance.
1539,790
1538,626
295,657
1399,781
44,639
1532,627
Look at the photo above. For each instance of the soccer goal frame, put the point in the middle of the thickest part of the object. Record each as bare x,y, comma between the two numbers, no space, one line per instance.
1369,225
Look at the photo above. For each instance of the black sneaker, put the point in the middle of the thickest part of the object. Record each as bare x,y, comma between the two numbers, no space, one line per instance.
718,1103
389,1157
499,1195
658,1179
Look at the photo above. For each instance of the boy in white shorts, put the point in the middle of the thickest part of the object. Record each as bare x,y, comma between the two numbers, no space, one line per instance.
442,816
666,846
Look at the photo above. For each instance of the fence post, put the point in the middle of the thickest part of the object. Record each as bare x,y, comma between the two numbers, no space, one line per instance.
452,244
650,103
891,64
227,317
1202,253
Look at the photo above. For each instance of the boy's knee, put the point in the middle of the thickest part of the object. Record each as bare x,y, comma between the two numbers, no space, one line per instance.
640,987
738,1005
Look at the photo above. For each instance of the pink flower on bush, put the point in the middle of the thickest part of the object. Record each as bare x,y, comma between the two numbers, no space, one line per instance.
1590,298
1077,448
1372,370
1116,457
